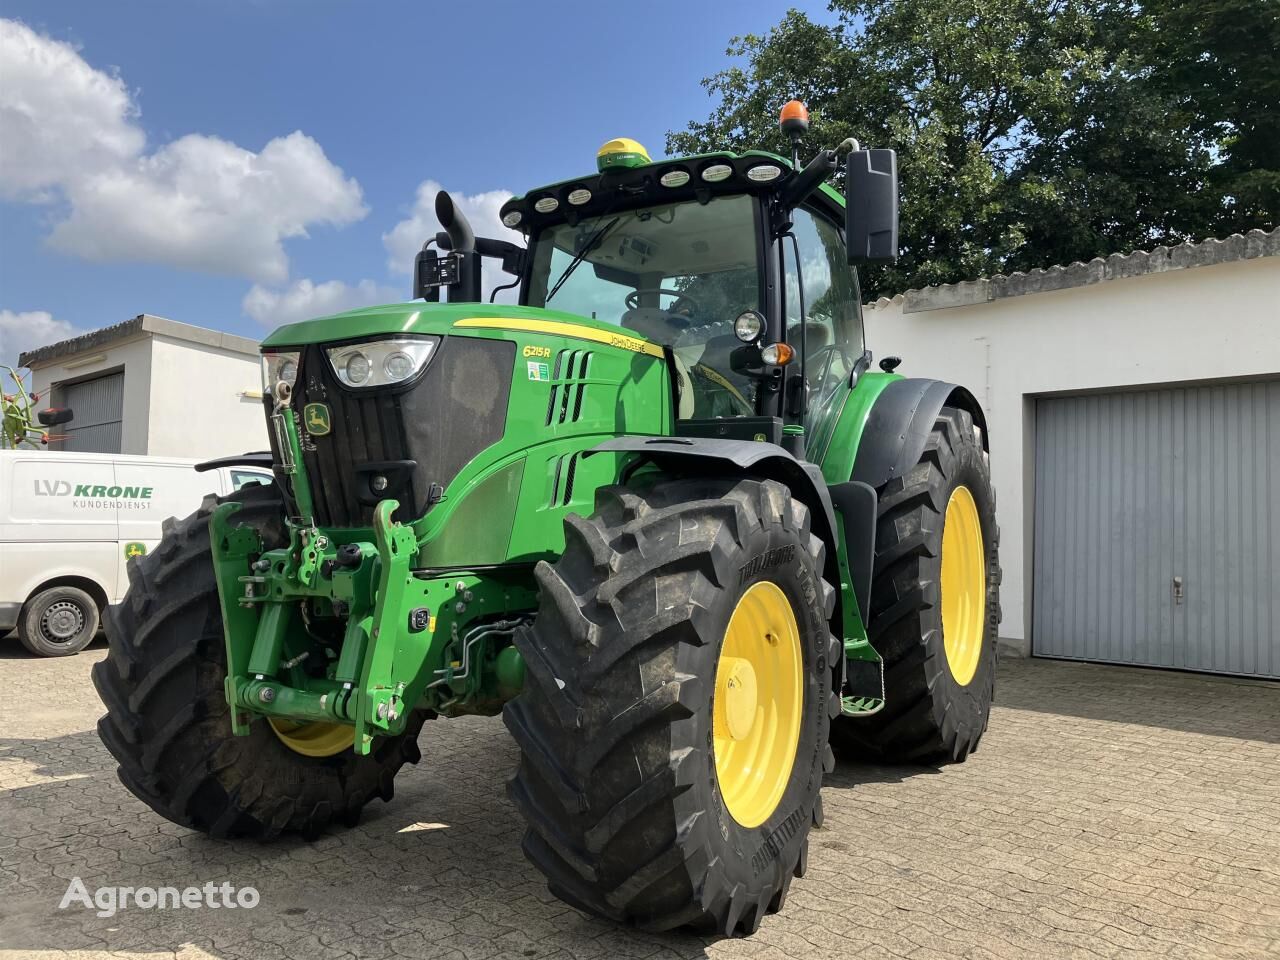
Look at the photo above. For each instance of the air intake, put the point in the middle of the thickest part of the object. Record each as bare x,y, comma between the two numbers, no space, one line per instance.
568,383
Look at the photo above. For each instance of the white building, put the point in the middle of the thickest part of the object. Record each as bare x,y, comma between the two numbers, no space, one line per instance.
153,386
1134,414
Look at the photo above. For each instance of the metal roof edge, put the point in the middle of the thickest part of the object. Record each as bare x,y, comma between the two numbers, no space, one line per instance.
131,329
1117,266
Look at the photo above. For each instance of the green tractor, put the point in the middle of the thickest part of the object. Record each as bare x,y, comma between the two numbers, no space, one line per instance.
661,515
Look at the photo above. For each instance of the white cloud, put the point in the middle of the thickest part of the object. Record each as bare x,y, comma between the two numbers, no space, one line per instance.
59,117
305,300
199,202
27,330
406,238
206,204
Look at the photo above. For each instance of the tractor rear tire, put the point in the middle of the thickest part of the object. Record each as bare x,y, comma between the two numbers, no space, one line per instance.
168,724
632,710
928,580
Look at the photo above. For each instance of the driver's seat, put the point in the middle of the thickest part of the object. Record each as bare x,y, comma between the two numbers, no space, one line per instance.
652,323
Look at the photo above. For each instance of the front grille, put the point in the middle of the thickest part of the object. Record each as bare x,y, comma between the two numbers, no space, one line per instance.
456,408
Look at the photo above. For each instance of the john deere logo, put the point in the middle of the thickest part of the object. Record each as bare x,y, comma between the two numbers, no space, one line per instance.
316,418
135,550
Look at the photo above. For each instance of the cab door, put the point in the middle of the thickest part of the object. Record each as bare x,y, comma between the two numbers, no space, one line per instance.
826,323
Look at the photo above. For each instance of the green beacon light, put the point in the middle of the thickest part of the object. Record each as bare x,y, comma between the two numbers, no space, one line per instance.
621,152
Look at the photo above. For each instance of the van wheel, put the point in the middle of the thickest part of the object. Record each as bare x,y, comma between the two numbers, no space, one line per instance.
58,622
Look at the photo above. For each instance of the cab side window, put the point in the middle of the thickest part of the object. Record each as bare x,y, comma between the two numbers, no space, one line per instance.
832,331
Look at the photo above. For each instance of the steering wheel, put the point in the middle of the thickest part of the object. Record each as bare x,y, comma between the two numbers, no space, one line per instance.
633,298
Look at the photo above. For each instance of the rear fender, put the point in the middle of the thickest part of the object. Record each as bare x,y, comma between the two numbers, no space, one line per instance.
899,425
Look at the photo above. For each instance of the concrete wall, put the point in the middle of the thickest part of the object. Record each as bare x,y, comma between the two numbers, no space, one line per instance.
133,357
188,392
199,401
1183,325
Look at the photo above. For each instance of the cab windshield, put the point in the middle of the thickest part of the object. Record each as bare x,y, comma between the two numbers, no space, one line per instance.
677,274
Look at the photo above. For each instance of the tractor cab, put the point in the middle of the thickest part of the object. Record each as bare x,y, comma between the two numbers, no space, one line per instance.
735,264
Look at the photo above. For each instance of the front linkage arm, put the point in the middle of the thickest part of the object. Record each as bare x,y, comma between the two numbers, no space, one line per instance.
260,592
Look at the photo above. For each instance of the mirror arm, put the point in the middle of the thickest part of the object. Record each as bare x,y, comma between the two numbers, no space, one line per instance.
511,255
814,175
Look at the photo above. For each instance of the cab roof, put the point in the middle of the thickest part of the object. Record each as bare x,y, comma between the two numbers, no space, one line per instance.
668,180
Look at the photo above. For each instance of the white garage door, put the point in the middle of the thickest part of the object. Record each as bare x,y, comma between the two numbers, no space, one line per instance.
1157,528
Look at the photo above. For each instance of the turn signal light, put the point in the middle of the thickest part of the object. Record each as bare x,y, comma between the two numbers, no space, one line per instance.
778,354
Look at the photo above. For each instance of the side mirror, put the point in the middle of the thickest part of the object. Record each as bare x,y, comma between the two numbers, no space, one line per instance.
55,416
871,206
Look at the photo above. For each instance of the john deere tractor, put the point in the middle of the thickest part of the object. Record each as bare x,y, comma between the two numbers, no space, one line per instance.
662,515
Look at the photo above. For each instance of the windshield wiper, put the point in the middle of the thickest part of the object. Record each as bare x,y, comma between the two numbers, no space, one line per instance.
594,241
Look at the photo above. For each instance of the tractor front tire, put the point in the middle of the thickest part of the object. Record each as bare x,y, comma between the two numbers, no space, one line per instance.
673,725
168,724
935,605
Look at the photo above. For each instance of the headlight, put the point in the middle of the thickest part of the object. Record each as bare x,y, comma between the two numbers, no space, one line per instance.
277,367
748,327
379,363
398,365
356,368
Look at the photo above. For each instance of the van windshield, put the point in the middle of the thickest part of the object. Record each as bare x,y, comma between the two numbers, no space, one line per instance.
677,274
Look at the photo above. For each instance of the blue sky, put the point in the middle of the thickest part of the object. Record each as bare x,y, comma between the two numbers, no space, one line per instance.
149,162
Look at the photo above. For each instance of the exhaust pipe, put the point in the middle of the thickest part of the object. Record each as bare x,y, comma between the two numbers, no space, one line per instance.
462,238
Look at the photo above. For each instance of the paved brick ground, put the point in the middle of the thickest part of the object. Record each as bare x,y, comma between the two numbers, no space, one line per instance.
1109,813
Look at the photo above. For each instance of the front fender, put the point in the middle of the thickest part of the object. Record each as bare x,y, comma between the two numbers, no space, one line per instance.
751,458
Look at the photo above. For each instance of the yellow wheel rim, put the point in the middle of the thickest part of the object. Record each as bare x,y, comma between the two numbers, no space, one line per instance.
758,702
964,586
313,739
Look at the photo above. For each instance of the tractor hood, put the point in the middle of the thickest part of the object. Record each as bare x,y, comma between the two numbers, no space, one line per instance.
451,318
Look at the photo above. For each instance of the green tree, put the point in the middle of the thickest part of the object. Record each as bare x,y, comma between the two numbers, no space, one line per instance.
1029,132
1218,59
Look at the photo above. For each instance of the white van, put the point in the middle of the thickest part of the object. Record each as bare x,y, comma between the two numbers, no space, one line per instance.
70,521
